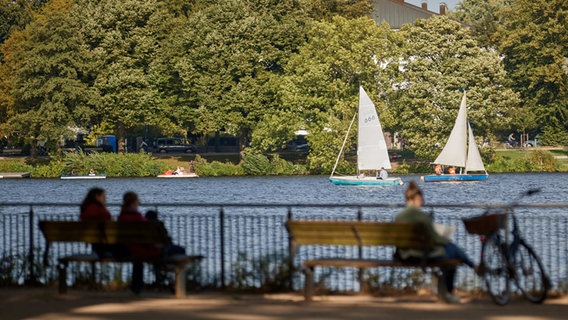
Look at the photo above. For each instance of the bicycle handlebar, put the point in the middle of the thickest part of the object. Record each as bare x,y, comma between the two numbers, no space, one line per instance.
527,193
530,192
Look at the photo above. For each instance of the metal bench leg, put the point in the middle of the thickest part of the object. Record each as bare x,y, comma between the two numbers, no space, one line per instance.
62,268
180,281
309,284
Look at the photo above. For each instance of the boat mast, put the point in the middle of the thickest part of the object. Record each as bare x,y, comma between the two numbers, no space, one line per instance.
343,145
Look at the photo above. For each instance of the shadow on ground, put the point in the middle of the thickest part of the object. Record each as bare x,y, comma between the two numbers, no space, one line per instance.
47,304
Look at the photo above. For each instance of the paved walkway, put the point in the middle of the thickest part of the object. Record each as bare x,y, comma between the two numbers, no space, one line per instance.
45,303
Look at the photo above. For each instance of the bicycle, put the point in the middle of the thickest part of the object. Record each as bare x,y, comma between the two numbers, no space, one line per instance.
503,259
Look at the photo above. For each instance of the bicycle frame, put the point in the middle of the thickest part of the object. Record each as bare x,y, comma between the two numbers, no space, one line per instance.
517,257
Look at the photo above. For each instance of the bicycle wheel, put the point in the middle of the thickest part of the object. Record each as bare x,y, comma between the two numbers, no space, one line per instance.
529,273
496,271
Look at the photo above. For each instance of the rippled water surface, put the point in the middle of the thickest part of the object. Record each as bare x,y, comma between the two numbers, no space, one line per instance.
499,188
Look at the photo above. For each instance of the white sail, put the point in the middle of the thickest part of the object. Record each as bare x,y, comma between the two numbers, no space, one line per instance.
455,150
474,161
372,151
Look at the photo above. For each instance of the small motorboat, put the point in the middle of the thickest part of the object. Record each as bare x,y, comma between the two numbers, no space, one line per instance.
82,176
179,175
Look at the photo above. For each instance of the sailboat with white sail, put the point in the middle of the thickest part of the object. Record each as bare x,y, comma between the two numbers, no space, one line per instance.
372,153
460,152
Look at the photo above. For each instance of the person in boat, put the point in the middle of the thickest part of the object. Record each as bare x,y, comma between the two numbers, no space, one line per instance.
452,170
73,172
169,172
445,249
438,169
179,170
383,174
91,172
191,168
130,212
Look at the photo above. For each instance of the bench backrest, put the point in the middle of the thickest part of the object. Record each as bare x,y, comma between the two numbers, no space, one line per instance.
359,233
110,232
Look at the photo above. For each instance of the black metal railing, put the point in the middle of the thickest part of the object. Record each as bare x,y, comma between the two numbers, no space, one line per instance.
247,246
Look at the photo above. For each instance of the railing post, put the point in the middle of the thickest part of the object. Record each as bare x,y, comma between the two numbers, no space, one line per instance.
290,255
360,252
222,239
32,278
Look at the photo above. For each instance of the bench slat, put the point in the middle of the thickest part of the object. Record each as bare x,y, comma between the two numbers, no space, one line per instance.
110,232
354,233
371,263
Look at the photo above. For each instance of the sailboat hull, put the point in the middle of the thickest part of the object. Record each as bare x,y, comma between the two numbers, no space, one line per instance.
365,181
454,177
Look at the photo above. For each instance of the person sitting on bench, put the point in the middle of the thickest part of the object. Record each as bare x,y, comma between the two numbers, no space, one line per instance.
130,212
93,209
445,249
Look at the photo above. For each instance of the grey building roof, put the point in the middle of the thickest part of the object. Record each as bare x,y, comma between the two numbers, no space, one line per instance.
397,12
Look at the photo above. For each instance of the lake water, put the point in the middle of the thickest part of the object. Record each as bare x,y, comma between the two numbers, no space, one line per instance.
500,188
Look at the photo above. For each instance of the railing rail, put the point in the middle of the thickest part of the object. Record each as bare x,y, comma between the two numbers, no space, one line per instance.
246,245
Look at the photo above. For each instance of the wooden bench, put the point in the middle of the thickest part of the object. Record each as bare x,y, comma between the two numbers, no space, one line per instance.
139,232
361,233
12,152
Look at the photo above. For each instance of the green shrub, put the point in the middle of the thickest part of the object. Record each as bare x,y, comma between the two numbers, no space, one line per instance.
15,166
112,164
256,164
533,161
216,168
414,167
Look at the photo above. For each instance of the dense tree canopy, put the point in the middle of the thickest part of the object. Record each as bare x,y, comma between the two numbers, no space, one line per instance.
485,18
534,43
47,67
531,37
319,91
439,59
263,69
226,55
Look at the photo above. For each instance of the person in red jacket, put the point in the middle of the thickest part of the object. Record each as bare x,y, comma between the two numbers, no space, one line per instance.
129,212
93,206
93,209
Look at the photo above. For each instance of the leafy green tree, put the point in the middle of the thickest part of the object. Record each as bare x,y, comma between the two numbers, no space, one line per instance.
534,46
15,14
224,58
46,64
123,37
439,58
485,18
325,9
320,90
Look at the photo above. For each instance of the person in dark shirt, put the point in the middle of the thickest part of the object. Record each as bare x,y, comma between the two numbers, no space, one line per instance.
130,212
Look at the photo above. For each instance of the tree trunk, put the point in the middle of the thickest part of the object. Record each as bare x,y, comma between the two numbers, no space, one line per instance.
120,136
243,141
33,149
